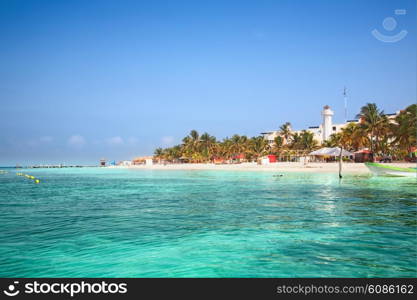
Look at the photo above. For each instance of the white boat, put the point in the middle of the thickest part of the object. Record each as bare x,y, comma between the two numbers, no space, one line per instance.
385,170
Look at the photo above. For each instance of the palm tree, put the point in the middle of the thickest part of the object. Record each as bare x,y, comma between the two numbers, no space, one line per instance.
354,138
244,143
278,145
382,135
226,150
411,110
207,143
235,144
307,141
295,143
258,147
349,137
285,131
404,129
194,135
158,153
370,116
238,144
360,138
191,145
175,152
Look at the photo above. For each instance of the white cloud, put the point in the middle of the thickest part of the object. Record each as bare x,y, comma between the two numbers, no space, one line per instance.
46,139
77,141
38,141
167,140
32,143
116,140
132,140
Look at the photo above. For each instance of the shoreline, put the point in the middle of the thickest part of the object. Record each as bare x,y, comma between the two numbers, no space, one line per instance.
347,168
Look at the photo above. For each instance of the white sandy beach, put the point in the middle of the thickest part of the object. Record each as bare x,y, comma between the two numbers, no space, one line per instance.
347,168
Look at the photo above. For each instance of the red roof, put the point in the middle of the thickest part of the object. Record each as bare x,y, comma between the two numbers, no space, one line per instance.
363,151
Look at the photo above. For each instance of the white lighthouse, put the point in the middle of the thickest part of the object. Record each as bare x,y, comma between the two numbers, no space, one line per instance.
327,114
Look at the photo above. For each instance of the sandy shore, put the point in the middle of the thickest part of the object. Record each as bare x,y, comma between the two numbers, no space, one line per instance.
348,168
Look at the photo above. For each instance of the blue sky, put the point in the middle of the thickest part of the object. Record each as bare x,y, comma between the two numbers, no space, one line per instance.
81,80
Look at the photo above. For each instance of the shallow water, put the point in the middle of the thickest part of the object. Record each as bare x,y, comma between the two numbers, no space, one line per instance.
95,222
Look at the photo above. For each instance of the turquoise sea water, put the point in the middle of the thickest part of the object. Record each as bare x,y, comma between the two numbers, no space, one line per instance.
96,222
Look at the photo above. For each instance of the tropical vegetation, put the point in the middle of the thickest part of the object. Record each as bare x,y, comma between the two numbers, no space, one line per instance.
374,131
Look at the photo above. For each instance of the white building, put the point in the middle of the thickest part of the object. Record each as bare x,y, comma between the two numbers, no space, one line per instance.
125,163
327,114
321,132
149,162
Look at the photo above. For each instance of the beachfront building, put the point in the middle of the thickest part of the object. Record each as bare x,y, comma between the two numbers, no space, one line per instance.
321,132
125,163
143,160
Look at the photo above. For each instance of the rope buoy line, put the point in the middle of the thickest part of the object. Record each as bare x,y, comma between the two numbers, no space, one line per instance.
29,177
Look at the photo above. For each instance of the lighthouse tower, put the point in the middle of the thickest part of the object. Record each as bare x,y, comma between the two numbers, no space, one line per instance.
327,114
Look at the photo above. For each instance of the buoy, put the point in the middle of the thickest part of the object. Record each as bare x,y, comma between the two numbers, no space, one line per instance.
32,177
37,181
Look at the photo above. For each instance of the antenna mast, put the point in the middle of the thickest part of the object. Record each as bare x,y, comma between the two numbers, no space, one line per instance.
345,99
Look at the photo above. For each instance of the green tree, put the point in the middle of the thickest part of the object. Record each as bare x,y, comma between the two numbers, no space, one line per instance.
404,130
285,132
278,145
258,147
370,117
307,141
158,154
295,143
207,146
191,146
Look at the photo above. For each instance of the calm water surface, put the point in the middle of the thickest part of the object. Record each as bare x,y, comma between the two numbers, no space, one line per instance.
94,222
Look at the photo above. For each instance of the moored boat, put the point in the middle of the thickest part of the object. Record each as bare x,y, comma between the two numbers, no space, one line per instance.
387,170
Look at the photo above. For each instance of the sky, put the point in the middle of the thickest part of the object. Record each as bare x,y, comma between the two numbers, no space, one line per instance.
84,80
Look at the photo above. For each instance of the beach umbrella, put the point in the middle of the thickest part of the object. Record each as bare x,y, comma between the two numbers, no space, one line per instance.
319,152
335,151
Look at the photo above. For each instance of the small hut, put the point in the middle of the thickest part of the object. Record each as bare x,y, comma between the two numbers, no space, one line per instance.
218,160
142,160
363,155
238,158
